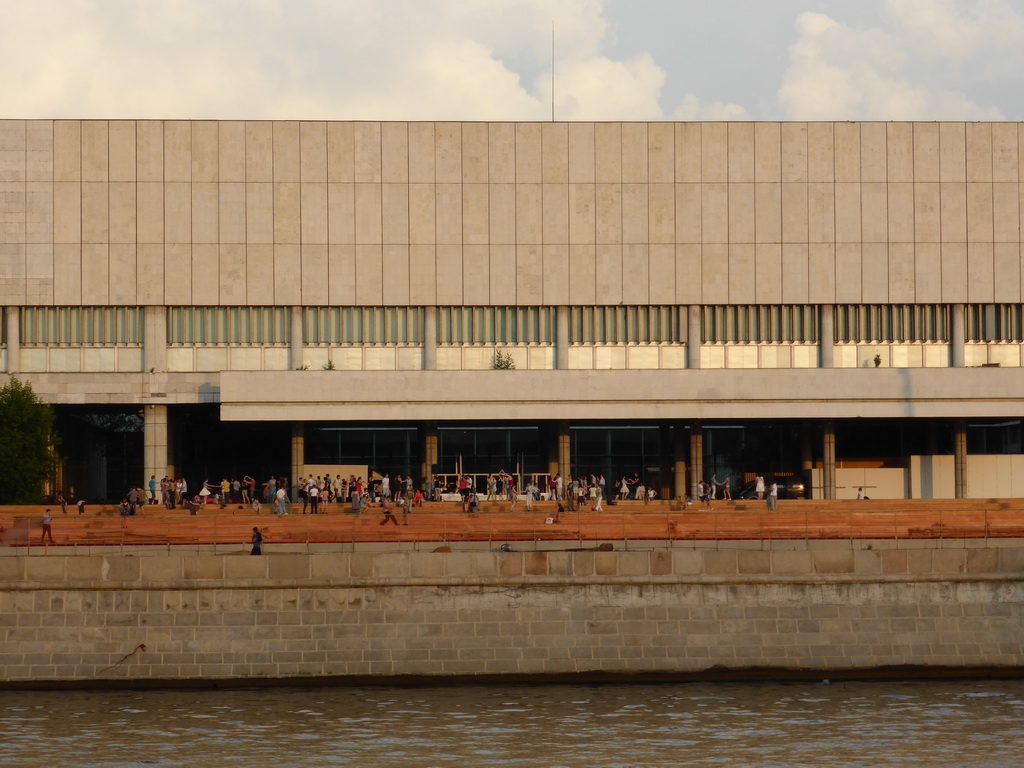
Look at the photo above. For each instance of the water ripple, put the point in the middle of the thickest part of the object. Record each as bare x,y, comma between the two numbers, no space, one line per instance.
844,725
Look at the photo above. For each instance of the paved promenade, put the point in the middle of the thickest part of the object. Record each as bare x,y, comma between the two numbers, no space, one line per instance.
446,522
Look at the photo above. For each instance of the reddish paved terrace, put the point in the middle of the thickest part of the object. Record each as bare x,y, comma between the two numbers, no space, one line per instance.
445,522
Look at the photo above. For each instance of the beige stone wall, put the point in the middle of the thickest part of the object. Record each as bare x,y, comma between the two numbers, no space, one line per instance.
827,607
288,213
622,394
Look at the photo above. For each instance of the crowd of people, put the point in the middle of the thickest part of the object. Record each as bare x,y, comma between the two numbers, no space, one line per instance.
317,493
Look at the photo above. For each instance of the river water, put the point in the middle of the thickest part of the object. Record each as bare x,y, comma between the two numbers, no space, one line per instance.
771,725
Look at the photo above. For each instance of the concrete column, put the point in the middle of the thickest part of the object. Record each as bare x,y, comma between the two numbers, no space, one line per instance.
807,459
296,342
298,457
696,456
430,338
13,339
679,490
960,459
564,449
155,453
562,338
826,336
666,463
154,344
429,451
957,337
549,434
693,321
828,468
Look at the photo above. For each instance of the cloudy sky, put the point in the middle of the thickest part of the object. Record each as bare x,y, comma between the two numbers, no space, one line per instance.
492,59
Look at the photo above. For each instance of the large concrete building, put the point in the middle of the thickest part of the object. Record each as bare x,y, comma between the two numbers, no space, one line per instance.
837,301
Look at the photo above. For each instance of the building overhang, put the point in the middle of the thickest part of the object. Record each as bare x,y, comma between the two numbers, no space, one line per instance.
526,395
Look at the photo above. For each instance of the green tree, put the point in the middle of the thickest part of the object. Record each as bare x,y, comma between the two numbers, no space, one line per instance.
27,442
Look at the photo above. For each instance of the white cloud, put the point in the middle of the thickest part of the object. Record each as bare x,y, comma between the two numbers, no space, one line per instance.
601,89
693,109
318,59
941,28
839,72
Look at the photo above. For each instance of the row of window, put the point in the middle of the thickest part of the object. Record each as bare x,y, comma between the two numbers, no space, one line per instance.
362,325
737,324
995,322
893,323
630,325
229,325
496,325
745,324
81,326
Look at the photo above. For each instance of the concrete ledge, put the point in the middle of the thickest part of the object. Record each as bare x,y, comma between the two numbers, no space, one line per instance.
486,567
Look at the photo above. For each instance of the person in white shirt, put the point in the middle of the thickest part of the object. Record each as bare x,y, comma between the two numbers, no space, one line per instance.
314,498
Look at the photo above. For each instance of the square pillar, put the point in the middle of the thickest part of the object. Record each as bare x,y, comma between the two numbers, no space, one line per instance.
298,457
562,338
430,341
13,315
295,346
696,456
960,459
429,452
826,336
693,323
564,449
155,444
828,467
154,339
957,337
550,437
679,477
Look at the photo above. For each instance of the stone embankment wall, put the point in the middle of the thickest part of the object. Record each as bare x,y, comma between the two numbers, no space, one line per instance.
824,606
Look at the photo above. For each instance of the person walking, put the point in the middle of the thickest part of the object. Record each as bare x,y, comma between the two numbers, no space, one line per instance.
773,497
759,487
47,531
389,515
257,542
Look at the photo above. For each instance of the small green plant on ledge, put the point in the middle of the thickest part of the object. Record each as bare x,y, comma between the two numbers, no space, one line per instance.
303,367
878,361
503,361
329,365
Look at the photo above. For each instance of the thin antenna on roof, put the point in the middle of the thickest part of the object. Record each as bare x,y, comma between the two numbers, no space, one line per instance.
552,70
